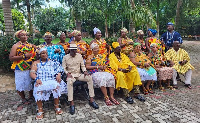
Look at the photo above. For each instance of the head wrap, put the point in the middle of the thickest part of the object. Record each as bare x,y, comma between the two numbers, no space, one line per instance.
42,49
75,32
140,32
153,44
17,34
48,33
170,23
96,30
93,45
153,31
136,44
115,44
73,47
60,33
124,30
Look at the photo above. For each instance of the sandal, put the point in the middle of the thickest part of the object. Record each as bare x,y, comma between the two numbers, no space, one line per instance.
58,110
39,115
162,88
170,87
145,92
175,86
107,101
140,97
114,101
188,85
150,91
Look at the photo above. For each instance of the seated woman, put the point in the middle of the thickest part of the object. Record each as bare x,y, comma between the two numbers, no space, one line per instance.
47,74
164,72
82,47
55,52
97,65
146,71
104,48
62,42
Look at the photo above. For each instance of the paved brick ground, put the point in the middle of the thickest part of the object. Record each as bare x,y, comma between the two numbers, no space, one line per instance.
179,106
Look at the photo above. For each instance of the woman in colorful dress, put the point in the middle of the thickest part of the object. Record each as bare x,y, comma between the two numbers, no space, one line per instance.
62,42
164,73
47,76
152,39
97,64
104,48
55,52
140,40
144,67
22,54
125,42
82,47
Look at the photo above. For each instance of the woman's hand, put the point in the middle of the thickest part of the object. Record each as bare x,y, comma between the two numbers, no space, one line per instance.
38,82
28,55
58,78
146,65
57,51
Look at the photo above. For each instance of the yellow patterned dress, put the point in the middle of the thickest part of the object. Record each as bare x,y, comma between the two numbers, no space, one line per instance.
128,48
178,56
124,80
22,68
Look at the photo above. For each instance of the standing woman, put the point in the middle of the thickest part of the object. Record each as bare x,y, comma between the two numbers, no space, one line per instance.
125,43
140,40
82,47
104,48
153,39
62,42
55,52
22,54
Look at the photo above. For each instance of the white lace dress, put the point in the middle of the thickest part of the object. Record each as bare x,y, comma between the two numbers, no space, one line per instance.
46,72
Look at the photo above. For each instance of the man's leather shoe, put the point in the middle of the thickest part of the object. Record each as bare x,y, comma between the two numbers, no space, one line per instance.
129,100
72,109
94,105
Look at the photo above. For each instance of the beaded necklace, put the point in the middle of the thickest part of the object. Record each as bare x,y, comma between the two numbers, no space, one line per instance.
44,63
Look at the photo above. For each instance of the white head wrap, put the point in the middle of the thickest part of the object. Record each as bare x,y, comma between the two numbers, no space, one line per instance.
60,33
93,45
140,32
42,49
96,30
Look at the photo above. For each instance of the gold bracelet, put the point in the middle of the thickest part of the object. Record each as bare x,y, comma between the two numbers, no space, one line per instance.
23,57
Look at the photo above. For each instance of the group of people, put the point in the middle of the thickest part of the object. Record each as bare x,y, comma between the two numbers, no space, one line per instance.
126,65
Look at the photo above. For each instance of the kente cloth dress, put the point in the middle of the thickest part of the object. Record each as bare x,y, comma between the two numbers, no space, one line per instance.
82,46
124,80
145,73
22,68
164,73
101,78
161,47
128,48
47,72
102,46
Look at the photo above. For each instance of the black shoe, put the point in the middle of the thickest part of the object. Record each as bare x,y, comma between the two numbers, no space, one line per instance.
94,105
129,100
72,109
140,97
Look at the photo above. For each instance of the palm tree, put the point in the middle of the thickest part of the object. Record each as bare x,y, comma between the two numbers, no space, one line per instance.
7,17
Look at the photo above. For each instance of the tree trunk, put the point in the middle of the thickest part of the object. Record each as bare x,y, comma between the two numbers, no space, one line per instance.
7,17
78,25
29,16
106,27
179,4
157,17
132,24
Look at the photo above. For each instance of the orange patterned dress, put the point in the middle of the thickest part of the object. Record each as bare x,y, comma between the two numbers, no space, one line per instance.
128,48
82,46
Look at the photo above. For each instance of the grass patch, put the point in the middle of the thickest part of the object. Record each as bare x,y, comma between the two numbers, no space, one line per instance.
56,40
